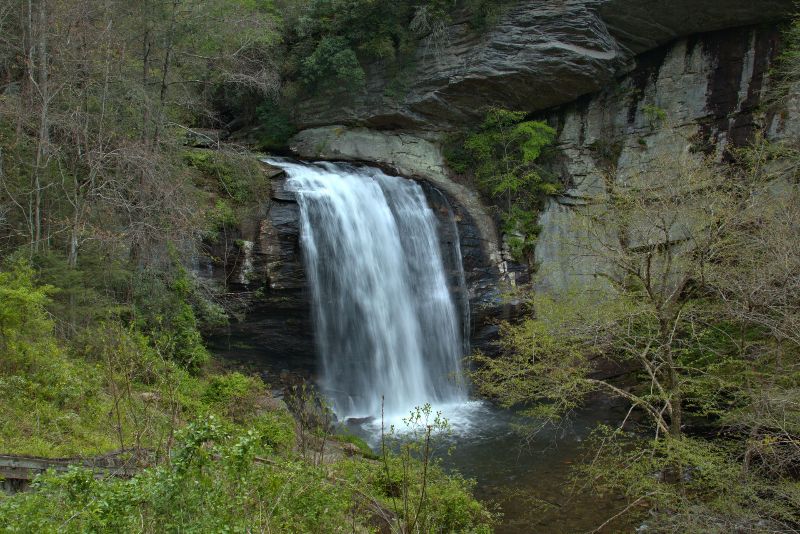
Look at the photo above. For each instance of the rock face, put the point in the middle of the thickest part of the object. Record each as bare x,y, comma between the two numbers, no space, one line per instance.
624,82
273,287
406,155
265,268
701,94
698,94
540,54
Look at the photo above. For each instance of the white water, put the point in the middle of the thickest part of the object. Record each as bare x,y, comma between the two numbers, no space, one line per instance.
386,326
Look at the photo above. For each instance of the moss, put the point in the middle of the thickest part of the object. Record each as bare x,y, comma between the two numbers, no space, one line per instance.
345,436
235,176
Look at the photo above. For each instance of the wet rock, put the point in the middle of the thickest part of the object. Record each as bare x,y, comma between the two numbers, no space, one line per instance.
277,324
356,421
279,192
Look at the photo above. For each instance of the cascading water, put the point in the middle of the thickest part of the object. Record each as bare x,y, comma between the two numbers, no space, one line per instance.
386,326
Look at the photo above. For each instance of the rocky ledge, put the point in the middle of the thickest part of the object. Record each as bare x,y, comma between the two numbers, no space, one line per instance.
538,55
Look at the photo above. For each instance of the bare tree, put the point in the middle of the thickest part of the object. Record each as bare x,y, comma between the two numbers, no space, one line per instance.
106,90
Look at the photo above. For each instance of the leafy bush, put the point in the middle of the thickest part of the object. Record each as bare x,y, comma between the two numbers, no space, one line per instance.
221,479
332,64
49,402
235,176
277,426
276,125
332,39
234,395
165,314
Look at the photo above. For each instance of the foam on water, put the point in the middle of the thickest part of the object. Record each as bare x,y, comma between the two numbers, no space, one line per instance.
463,418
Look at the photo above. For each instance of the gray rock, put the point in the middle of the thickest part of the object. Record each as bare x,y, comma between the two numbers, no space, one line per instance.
709,88
540,54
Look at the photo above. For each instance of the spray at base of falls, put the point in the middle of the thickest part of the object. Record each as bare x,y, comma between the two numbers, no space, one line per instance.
387,330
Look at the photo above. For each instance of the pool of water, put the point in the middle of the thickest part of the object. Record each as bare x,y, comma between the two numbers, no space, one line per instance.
530,480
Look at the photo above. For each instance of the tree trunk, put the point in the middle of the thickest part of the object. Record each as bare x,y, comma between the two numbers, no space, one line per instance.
145,69
162,93
44,126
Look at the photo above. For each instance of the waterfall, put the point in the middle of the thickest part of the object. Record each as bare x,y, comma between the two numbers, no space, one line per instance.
386,327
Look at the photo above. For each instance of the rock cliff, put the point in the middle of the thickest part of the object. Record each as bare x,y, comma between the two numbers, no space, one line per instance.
702,94
539,54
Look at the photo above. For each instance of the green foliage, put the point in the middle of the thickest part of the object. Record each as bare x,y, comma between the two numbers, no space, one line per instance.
213,483
22,305
655,115
276,126
700,263
455,153
164,312
115,382
689,485
504,149
234,395
278,429
545,368
332,40
787,70
88,293
52,402
422,496
332,64
43,393
503,155
235,176
220,217
226,479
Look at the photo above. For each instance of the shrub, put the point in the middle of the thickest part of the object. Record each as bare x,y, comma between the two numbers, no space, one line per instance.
234,395
332,64
276,125
235,176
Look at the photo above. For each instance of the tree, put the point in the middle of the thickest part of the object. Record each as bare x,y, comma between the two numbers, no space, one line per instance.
503,155
105,93
652,240
672,243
